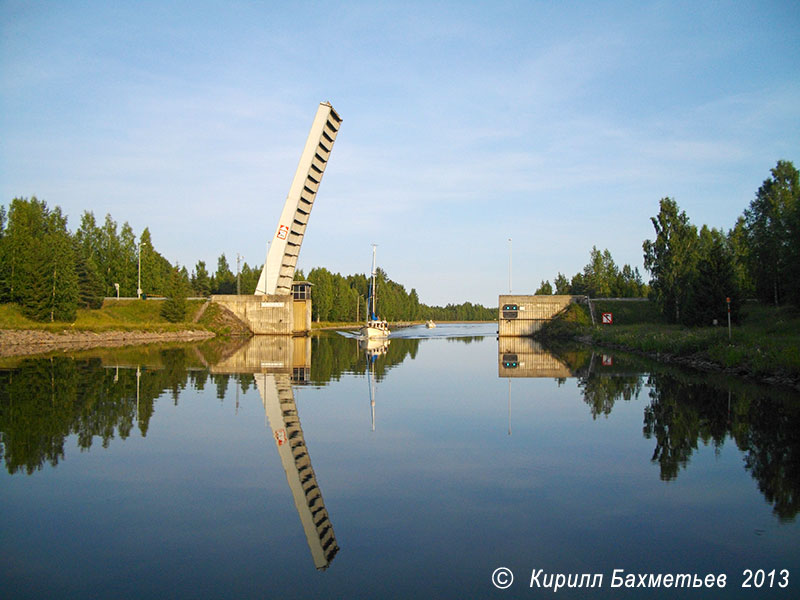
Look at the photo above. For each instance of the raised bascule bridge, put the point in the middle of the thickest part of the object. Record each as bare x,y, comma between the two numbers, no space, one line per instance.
280,305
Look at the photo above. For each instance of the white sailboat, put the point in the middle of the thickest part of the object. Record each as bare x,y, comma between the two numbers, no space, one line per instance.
374,328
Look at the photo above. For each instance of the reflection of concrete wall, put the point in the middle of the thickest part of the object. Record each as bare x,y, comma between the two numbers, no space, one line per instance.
268,354
269,315
524,357
530,314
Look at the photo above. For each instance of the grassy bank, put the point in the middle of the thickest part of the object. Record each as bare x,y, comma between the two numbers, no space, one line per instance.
765,344
115,315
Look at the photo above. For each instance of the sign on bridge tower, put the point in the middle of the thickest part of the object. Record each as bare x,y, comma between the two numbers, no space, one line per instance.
278,273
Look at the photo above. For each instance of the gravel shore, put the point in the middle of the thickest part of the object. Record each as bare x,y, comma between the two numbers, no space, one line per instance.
20,342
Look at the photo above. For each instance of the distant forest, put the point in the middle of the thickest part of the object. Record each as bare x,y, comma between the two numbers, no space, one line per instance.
51,272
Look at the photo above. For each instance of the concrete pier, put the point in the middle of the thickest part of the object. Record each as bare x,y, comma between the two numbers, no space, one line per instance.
525,315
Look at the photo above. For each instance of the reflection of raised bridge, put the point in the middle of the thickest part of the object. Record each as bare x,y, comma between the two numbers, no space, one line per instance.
275,362
279,404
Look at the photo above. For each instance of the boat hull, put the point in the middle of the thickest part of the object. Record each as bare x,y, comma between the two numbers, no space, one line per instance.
373,331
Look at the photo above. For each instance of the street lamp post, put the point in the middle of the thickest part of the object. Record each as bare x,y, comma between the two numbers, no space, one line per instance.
139,284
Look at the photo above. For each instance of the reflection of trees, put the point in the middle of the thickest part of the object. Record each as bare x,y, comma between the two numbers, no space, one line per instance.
676,418
467,339
764,426
43,401
772,444
686,409
600,392
333,355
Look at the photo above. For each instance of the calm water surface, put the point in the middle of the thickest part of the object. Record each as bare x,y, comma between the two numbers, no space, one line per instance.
319,468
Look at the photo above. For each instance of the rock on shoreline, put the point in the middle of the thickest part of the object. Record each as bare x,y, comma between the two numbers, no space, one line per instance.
19,342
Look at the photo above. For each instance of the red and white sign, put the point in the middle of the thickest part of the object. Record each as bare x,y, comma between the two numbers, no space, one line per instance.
608,361
280,437
283,231
608,318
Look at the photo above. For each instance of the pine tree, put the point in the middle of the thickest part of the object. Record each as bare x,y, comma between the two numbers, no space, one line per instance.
52,294
90,284
174,307
224,280
4,262
201,283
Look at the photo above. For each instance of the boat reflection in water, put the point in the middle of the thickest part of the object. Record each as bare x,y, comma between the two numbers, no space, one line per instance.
276,362
373,348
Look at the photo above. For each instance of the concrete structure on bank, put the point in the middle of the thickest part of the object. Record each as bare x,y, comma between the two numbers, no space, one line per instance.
275,308
276,314
524,315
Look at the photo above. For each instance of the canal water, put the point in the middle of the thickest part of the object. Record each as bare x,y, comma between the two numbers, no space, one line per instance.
444,464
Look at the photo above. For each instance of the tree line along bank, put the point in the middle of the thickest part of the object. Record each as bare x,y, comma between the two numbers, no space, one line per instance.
51,272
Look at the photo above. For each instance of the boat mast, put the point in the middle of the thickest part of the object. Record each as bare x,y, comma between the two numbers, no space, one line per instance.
372,294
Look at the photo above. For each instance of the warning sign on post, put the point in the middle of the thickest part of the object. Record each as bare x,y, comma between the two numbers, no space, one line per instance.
608,318
283,231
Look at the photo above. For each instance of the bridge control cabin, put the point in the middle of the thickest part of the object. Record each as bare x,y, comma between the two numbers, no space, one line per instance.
521,316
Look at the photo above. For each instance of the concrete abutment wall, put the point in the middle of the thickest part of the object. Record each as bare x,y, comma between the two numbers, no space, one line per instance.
276,314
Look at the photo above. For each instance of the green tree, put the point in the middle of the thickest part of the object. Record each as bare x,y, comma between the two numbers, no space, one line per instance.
545,289
40,264
629,283
323,293
713,283
671,259
739,247
4,261
54,294
156,270
174,307
577,285
600,275
26,227
88,237
224,281
773,234
562,284
249,278
201,282
90,283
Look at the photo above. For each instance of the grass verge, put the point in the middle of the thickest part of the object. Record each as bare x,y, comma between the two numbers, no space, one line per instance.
115,315
765,344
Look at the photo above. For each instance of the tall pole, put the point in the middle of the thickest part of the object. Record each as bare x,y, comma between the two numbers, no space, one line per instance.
238,278
139,284
728,300
371,308
509,265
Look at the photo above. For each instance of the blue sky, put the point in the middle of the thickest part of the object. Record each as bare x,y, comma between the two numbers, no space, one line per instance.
557,124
